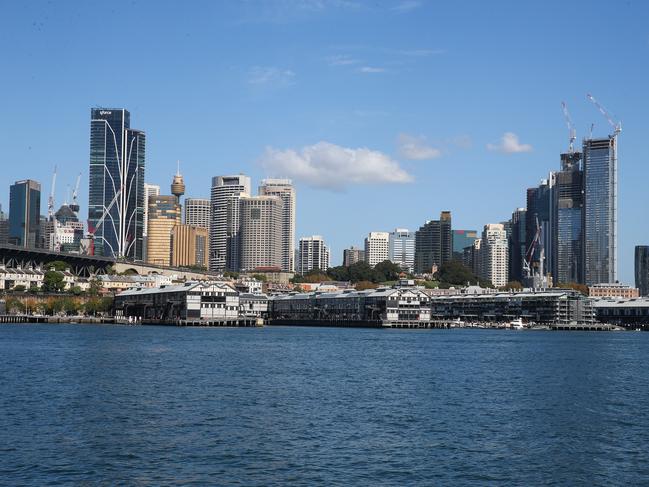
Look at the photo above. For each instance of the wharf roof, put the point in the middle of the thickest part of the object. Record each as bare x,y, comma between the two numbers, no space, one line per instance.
621,302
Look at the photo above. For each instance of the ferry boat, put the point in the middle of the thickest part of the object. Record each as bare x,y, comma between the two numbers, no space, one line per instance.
517,324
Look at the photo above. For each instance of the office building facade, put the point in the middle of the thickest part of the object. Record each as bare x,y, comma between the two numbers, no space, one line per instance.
260,232
352,255
189,246
642,269
517,248
25,213
284,189
402,248
377,247
433,244
313,254
223,211
197,212
116,184
600,210
494,254
164,214
461,240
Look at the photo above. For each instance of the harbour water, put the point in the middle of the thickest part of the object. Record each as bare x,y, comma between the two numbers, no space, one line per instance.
321,406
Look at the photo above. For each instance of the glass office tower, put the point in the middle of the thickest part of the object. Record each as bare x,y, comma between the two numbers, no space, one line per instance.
567,220
642,269
600,210
116,194
24,213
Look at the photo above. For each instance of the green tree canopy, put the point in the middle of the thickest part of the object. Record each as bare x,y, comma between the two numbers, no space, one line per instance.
53,282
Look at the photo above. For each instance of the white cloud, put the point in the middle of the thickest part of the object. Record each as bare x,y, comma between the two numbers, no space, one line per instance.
509,144
416,148
371,69
342,60
330,166
270,75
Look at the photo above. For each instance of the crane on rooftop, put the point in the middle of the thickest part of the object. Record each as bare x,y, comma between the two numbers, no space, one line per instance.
571,127
617,126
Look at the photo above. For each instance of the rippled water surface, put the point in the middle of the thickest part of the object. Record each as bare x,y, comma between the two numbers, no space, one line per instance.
321,406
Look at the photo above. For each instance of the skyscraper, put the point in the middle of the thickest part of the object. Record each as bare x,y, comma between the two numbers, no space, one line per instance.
116,190
494,254
642,269
24,213
261,229
314,254
377,247
461,240
433,244
197,212
567,220
149,190
283,188
517,245
600,210
352,255
164,214
189,246
225,188
538,216
4,227
402,248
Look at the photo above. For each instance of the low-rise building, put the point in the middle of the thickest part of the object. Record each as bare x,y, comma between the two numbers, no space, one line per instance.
622,311
554,307
188,301
383,307
614,290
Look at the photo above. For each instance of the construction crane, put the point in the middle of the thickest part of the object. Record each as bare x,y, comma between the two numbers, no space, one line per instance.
617,127
74,205
571,127
50,200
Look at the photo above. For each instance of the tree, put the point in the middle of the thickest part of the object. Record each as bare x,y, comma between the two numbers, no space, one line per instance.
455,273
259,277
76,290
386,271
582,288
363,285
361,271
53,281
19,288
315,275
15,305
338,273
95,287
512,286
57,265
69,305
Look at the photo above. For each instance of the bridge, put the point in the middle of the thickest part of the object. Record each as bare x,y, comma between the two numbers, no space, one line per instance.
88,265
80,265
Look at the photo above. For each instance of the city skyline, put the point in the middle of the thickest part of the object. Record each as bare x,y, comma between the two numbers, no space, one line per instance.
368,115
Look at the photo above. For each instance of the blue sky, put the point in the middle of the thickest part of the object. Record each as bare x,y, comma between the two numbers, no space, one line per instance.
384,113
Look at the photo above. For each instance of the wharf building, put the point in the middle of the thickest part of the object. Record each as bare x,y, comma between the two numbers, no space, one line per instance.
433,244
313,254
399,307
402,248
188,301
224,220
627,312
24,213
377,247
642,269
284,189
261,225
352,255
197,212
555,307
116,189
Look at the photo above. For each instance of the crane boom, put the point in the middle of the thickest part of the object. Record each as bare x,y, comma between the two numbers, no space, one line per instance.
571,127
50,200
617,127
